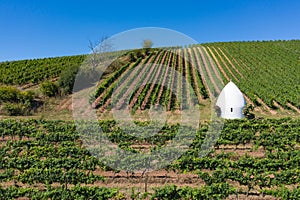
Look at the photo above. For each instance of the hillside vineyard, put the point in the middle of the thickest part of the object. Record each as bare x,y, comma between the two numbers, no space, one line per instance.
268,73
257,157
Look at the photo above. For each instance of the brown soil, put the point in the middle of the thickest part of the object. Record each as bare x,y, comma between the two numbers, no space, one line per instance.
218,64
103,108
218,90
153,178
194,75
175,59
293,107
202,75
222,60
163,83
145,101
66,104
214,67
277,105
260,153
186,66
251,197
137,94
265,106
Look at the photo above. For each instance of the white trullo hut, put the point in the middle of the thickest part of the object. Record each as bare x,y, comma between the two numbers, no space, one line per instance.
231,102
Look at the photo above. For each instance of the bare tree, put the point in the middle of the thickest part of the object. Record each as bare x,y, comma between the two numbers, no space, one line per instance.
95,64
99,50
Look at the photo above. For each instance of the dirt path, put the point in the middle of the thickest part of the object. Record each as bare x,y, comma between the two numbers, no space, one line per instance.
273,112
195,76
202,75
100,97
131,75
232,65
173,76
293,107
34,85
277,105
65,104
213,65
251,197
218,64
222,60
187,74
154,82
208,71
179,80
153,178
137,94
239,151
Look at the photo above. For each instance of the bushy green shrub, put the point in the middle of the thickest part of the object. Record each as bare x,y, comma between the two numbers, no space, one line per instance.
67,79
13,95
15,102
139,54
85,77
16,109
9,94
132,57
26,96
49,89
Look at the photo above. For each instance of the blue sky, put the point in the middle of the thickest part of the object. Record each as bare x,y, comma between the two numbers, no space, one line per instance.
47,28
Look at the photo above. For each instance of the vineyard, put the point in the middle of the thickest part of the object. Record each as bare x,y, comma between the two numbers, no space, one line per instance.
37,70
251,159
266,72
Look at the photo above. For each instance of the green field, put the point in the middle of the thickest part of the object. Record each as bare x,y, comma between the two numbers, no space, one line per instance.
44,157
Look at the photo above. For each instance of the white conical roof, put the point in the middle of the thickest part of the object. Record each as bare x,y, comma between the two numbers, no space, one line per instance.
231,96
